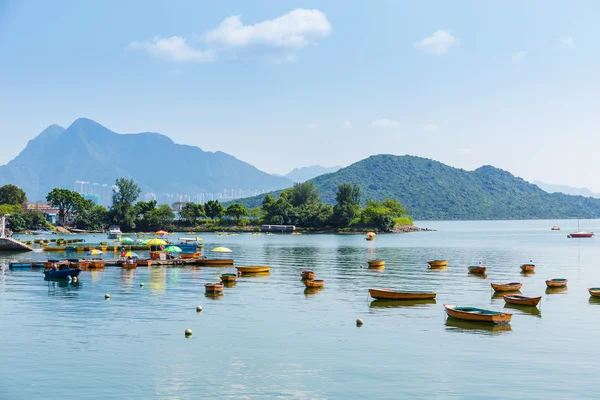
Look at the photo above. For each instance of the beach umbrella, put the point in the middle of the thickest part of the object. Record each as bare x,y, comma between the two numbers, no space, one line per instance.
161,233
370,233
129,254
156,242
126,240
142,241
221,250
95,252
173,249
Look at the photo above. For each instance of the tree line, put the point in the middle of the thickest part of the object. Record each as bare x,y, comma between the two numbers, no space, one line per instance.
299,205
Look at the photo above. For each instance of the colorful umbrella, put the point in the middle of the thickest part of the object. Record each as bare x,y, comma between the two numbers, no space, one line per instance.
370,233
94,252
129,254
161,233
221,250
126,240
142,241
156,242
173,249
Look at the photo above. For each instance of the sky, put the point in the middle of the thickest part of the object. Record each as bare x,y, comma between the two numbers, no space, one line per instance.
284,84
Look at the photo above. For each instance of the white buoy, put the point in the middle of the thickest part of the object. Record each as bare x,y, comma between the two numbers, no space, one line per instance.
107,296
198,308
359,322
188,332
142,284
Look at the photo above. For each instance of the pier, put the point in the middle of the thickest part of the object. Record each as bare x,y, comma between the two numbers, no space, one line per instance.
10,244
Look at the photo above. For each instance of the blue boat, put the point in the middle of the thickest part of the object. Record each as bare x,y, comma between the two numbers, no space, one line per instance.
63,272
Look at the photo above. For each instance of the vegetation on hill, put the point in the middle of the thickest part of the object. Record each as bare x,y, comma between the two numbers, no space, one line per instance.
434,191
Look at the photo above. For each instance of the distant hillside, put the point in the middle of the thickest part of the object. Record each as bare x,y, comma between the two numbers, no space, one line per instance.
431,190
551,188
87,150
303,174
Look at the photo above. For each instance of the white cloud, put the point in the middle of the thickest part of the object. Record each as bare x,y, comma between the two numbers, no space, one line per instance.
465,151
174,48
431,128
284,34
566,41
312,126
438,43
385,123
347,125
518,57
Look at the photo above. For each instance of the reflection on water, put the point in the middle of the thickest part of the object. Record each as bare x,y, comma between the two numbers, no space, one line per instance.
529,310
312,290
157,278
229,284
482,328
556,290
214,295
500,295
255,274
594,300
62,287
477,275
401,303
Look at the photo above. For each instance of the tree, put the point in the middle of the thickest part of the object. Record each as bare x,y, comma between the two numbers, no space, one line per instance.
11,194
236,211
213,209
16,222
92,217
395,208
143,207
192,212
67,202
159,218
6,209
125,193
348,204
384,222
303,193
348,194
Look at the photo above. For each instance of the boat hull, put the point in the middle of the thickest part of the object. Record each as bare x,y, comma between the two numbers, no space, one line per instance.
62,274
437,264
225,278
311,283
595,292
527,268
552,283
376,264
208,262
581,235
506,287
213,287
477,270
307,275
522,300
253,269
386,294
477,314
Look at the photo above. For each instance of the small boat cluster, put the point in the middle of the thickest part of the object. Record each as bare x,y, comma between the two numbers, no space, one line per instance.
308,277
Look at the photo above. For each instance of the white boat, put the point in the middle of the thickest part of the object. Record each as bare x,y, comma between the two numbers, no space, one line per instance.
114,232
39,232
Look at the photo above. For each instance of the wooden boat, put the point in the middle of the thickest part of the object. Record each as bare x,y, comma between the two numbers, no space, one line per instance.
506,287
477,314
314,283
132,265
214,262
559,282
97,263
307,275
187,256
376,264
437,263
522,300
254,269
527,268
228,278
594,291
555,228
400,294
213,287
370,238
62,272
477,269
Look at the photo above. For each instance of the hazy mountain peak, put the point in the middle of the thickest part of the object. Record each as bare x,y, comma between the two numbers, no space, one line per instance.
303,174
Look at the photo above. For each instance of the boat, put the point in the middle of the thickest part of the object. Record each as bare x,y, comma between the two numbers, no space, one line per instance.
62,272
97,263
189,256
40,232
477,269
114,232
580,234
213,287
437,263
254,269
528,268
214,261
558,282
370,238
506,287
314,283
376,264
594,291
307,275
522,300
76,263
389,294
477,314
226,278
555,228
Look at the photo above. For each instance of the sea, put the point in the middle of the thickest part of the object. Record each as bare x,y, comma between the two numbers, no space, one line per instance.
268,337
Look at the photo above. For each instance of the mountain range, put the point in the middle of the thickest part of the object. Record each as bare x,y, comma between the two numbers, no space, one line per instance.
303,174
88,151
553,188
431,190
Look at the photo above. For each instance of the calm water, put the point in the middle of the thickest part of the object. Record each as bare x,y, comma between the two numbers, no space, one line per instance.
267,338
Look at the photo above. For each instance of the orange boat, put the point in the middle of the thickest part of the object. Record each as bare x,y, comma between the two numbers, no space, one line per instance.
376,264
477,314
97,263
506,287
522,300
528,268
213,287
594,291
437,264
225,278
307,275
189,256
387,294
214,262
552,283
312,283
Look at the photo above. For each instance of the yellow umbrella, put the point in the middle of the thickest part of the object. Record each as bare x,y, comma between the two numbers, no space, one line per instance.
156,242
221,250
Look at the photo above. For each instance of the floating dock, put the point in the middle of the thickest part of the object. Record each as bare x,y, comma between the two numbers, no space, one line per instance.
27,265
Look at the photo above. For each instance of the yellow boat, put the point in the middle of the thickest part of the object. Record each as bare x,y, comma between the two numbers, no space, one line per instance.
594,291
376,264
438,263
213,287
312,283
225,278
400,294
254,269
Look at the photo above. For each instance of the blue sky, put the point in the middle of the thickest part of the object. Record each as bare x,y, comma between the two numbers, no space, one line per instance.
282,84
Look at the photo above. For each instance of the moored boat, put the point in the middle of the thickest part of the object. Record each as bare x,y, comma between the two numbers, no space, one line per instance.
214,261
388,294
528,268
558,282
506,287
228,278
581,234
97,263
213,287
62,272
555,228
254,269
477,269
114,232
594,291
522,300
438,263
376,264
314,283
477,314
307,274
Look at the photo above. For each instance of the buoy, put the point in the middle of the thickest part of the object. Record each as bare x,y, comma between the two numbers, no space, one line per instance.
142,284
359,322
198,308
107,296
188,332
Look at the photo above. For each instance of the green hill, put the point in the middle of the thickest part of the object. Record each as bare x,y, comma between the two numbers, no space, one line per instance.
431,190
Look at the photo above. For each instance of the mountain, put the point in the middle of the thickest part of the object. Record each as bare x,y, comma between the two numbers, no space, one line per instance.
431,190
88,151
551,188
303,174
